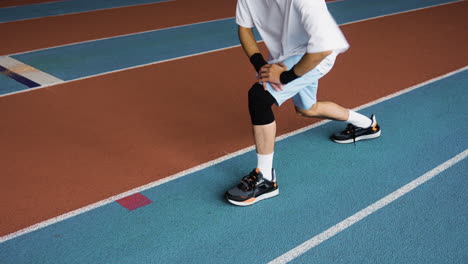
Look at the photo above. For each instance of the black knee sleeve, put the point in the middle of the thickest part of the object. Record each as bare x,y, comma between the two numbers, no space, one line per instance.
260,102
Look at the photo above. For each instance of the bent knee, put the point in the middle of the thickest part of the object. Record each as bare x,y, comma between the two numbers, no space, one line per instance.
299,111
260,102
311,112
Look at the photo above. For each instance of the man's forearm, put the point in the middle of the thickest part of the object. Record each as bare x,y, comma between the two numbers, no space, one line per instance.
248,42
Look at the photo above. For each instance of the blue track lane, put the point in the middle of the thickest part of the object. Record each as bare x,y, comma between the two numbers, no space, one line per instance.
321,183
9,14
96,57
427,225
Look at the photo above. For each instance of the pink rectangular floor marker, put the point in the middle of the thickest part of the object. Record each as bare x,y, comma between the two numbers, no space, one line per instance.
134,201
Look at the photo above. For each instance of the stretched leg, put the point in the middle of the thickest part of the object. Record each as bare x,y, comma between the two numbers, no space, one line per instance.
333,111
361,126
327,110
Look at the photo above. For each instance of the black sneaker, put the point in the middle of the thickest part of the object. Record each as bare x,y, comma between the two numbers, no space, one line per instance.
353,133
252,188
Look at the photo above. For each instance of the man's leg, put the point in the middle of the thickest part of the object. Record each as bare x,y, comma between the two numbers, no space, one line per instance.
264,138
263,126
361,126
327,110
261,182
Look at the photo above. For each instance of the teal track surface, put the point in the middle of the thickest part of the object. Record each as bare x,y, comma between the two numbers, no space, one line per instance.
96,57
427,225
16,13
321,183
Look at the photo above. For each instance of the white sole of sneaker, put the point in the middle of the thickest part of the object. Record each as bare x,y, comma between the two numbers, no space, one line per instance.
376,135
255,200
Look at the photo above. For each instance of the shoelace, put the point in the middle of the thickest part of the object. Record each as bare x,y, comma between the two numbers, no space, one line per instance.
351,129
249,181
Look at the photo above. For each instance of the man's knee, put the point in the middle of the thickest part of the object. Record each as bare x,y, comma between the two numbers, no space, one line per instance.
311,112
260,102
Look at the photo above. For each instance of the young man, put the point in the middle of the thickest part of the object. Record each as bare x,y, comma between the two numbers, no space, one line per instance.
303,41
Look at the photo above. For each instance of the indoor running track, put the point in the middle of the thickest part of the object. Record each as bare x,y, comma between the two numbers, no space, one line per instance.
111,129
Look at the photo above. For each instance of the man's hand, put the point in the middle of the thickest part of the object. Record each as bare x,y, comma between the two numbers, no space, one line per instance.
271,73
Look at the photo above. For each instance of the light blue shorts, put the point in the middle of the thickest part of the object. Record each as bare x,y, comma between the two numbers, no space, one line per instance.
303,90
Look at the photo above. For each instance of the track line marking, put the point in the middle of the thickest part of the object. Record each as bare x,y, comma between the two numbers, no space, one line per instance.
334,230
26,74
203,166
73,13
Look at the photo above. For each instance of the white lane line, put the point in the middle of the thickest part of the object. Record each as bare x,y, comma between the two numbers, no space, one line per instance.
93,10
28,72
334,230
201,166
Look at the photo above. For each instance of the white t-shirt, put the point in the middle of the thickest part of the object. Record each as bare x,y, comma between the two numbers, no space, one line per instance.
293,27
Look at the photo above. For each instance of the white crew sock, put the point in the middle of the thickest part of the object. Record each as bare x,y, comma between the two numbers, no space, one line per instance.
359,120
265,164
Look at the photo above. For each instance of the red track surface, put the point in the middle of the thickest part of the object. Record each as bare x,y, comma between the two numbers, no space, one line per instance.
76,143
